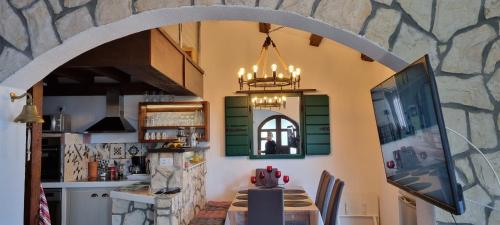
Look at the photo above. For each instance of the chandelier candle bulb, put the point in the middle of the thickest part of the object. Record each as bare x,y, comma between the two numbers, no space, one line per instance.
274,67
241,72
280,76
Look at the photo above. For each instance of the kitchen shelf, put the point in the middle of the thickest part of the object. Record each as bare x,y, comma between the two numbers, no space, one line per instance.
158,141
176,150
146,108
171,127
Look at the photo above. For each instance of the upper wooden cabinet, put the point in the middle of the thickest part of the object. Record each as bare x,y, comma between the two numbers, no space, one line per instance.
193,78
165,57
150,56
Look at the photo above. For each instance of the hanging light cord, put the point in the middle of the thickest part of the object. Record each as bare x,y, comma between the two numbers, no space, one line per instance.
275,29
264,50
487,161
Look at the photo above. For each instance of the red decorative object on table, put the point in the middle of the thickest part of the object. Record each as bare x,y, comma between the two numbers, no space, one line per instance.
390,164
277,174
268,177
286,179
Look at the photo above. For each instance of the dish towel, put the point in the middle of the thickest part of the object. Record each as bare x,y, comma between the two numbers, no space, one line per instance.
44,209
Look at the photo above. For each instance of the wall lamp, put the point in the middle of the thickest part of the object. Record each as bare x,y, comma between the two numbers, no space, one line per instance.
29,114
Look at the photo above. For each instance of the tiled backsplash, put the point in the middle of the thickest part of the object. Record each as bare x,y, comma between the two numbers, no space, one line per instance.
77,156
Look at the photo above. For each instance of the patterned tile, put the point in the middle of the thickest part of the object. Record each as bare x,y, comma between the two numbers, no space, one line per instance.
103,151
135,149
117,151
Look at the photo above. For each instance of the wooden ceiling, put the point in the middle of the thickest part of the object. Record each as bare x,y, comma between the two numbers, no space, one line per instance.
142,62
67,81
314,39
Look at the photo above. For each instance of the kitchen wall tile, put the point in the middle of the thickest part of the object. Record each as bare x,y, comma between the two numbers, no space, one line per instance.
117,151
103,151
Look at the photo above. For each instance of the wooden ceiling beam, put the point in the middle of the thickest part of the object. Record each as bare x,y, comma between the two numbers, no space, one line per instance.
50,80
76,75
264,27
366,58
110,72
315,40
134,88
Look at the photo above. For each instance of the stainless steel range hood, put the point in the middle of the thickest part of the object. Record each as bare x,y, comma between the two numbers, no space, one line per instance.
114,122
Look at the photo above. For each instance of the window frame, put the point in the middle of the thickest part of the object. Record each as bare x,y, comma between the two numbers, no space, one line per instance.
277,131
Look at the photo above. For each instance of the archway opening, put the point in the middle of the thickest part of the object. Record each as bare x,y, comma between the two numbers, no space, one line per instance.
332,68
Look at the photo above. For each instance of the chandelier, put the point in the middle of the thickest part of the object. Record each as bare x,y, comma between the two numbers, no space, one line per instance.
271,102
288,79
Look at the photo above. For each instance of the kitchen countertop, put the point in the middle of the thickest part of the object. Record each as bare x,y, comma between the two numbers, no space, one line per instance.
89,184
138,192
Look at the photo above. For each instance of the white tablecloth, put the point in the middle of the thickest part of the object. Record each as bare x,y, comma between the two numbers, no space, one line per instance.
308,214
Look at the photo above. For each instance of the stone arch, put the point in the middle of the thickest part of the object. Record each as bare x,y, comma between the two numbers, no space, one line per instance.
28,58
37,36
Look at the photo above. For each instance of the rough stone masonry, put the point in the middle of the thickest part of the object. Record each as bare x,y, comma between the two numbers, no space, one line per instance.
461,37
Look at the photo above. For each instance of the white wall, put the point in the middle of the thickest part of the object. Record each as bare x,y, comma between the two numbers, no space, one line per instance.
12,155
333,69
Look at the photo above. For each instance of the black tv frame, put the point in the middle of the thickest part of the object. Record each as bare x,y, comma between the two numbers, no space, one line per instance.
459,207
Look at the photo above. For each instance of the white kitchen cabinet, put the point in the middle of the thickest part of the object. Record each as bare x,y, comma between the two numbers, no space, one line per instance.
89,206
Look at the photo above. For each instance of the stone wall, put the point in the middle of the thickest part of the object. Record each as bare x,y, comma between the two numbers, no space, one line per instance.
179,209
460,36
131,213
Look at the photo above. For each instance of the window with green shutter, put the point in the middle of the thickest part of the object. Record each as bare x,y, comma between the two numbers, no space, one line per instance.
316,116
238,121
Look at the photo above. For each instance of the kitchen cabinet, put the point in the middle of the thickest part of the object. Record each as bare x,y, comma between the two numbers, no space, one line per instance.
159,117
193,78
89,206
151,57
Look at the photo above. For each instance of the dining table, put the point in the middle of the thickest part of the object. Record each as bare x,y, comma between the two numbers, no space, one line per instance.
299,208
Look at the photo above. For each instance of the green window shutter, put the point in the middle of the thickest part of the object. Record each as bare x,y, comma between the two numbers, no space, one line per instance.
317,124
238,126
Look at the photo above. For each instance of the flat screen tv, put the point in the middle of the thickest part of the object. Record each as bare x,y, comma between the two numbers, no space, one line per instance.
413,137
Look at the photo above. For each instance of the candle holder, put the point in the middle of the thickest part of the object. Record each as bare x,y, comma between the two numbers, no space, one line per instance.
268,177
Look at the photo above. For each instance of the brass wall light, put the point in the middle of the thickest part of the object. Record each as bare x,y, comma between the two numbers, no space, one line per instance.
29,114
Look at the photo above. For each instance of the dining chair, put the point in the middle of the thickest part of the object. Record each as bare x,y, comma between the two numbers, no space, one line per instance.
325,187
265,207
333,205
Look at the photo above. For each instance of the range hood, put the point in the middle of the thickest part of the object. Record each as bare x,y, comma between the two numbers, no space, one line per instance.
114,122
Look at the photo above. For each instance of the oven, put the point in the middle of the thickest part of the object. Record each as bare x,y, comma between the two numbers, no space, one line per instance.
52,158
